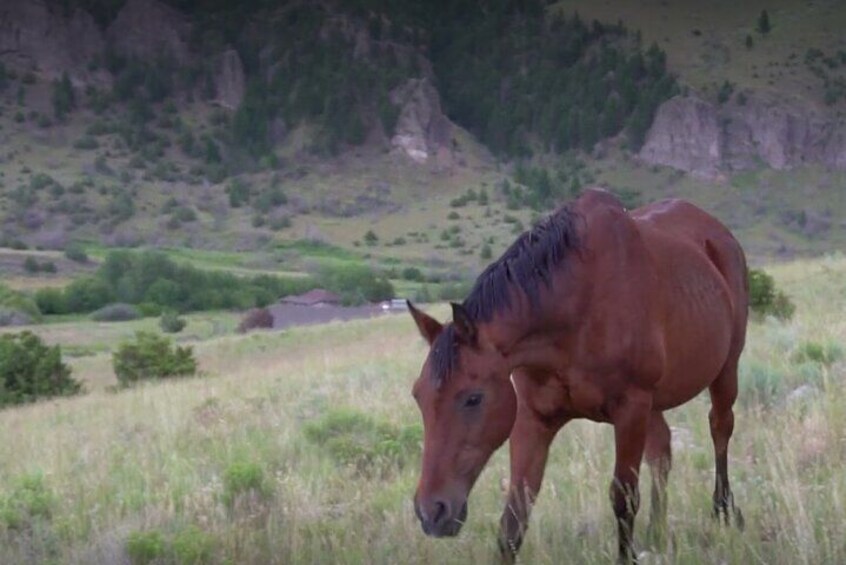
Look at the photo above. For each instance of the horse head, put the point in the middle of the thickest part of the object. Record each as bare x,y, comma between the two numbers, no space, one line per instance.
468,406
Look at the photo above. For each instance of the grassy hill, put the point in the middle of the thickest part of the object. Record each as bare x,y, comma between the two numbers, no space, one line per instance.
151,161
247,463
706,43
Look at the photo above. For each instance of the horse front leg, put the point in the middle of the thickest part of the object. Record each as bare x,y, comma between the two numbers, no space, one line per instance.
529,446
631,421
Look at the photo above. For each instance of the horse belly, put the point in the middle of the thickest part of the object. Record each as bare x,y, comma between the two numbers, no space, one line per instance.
697,340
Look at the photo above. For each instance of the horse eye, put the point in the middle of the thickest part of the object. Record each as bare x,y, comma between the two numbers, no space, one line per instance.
473,400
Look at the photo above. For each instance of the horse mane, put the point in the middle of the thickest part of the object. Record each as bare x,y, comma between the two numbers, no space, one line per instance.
529,262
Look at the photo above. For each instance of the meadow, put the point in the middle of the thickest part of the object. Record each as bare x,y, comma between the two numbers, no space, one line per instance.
302,446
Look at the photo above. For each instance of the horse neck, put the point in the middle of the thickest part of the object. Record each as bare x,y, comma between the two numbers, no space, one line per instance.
528,335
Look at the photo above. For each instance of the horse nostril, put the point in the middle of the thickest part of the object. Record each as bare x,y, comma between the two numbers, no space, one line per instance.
441,512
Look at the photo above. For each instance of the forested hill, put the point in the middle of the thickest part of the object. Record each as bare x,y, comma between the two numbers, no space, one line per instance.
518,76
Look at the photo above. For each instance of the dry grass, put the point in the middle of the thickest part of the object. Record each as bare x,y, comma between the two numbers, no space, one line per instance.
160,457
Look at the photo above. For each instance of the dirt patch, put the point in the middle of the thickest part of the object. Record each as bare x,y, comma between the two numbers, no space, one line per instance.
289,315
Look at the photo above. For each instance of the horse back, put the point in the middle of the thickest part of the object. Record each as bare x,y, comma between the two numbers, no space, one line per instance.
703,293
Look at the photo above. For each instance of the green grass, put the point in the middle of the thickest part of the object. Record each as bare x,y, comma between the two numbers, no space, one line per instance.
705,42
149,468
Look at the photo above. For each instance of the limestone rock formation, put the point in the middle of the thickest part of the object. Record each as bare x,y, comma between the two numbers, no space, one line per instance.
704,139
230,82
49,40
149,28
422,130
685,135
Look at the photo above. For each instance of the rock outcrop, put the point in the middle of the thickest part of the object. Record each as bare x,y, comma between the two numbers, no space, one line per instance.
706,140
685,135
50,40
422,130
230,81
148,29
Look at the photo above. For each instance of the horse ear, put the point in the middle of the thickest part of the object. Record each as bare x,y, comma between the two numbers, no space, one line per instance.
464,326
428,326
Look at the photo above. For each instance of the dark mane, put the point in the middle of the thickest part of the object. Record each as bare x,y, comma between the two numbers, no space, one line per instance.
529,262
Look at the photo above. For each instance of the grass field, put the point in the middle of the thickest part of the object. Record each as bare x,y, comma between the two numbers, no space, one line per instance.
222,468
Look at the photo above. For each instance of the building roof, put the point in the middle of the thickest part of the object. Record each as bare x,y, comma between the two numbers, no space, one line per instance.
312,297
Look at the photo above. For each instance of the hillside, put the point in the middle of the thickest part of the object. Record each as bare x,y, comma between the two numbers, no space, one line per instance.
251,127
244,464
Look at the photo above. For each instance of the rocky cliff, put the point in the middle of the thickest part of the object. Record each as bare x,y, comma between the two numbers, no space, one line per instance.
44,39
708,140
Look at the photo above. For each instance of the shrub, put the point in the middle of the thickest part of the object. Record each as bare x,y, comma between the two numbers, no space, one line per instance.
412,274
50,301
28,502
256,318
192,546
244,478
765,299
31,265
118,312
151,357
76,253
356,284
30,370
87,294
370,238
14,301
761,384
171,322
824,354
145,547
357,440
486,252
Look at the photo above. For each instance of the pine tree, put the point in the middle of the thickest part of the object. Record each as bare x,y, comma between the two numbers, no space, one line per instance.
749,42
764,22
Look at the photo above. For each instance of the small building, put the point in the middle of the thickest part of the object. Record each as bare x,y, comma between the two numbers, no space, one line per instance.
316,298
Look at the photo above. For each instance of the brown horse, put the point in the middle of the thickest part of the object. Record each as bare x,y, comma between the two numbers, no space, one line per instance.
595,313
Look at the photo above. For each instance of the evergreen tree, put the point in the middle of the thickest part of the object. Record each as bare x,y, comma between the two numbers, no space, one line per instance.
764,22
64,99
749,42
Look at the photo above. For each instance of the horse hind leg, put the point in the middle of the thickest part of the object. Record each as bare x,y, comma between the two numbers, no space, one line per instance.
721,418
658,453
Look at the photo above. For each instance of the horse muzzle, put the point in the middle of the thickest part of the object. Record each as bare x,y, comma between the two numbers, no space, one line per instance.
440,518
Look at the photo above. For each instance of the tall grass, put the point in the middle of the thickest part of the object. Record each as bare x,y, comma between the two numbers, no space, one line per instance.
220,468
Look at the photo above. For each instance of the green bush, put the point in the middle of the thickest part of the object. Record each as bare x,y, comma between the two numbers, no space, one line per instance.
87,294
118,312
242,478
28,502
187,546
76,253
171,322
50,301
192,546
31,265
31,370
765,299
357,440
154,280
356,284
412,274
12,301
824,354
151,357
145,547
